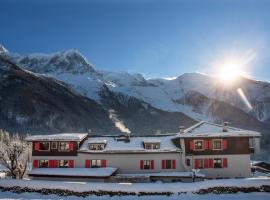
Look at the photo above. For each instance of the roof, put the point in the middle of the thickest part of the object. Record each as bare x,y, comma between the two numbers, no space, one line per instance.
135,144
98,141
58,137
76,172
163,174
151,140
206,129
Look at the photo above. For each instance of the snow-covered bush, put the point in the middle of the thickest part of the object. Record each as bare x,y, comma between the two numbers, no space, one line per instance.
14,154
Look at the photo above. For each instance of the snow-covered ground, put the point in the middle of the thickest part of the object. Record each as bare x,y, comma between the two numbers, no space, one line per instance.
238,196
136,187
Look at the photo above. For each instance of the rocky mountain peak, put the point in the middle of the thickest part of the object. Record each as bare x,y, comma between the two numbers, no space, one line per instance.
3,50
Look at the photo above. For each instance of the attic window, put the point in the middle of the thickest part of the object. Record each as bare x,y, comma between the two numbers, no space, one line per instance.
152,145
94,146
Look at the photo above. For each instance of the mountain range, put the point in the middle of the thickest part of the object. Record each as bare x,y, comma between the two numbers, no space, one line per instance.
63,91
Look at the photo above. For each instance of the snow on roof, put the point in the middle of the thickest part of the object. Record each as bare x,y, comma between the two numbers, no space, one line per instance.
206,129
97,141
134,145
89,172
163,174
151,140
58,137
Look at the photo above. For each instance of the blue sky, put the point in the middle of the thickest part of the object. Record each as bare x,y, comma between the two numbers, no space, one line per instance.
156,38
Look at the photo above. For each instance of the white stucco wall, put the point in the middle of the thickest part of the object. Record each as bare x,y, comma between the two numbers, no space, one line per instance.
238,166
130,163
126,163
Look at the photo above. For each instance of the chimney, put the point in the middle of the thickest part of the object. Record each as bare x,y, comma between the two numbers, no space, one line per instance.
225,127
181,129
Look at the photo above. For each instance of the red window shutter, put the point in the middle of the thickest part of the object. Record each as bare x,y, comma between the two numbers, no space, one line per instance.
71,146
141,164
224,144
210,144
225,162
173,164
103,163
87,164
163,164
197,163
71,163
206,163
37,145
152,164
35,164
191,145
55,163
206,144
51,163
211,163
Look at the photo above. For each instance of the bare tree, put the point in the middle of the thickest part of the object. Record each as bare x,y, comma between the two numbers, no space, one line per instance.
14,154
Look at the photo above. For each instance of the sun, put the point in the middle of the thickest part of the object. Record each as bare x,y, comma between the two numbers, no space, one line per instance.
229,74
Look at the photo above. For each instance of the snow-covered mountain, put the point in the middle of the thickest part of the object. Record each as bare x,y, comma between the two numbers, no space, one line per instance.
194,94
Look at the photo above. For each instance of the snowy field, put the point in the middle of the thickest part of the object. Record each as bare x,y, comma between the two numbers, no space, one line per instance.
174,188
136,187
238,196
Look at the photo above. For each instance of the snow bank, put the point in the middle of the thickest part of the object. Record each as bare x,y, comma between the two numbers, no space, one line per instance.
91,172
136,187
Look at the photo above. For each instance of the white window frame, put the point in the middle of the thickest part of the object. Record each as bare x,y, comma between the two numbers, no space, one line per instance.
96,161
49,149
145,163
65,150
56,145
202,149
152,145
221,148
96,146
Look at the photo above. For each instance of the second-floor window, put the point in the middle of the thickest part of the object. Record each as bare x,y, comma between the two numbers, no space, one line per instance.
63,146
198,144
54,145
44,146
43,164
217,144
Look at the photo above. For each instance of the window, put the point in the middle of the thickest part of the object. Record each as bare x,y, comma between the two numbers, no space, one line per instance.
151,145
63,146
43,164
97,146
44,146
198,144
54,145
217,144
188,162
146,164
95,163
217,163
63,164
168,164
